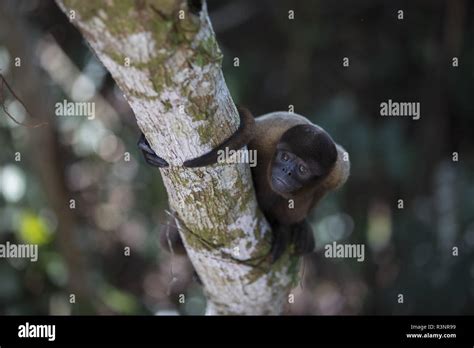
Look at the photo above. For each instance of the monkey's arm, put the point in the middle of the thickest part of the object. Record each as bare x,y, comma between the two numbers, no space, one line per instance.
303,238
281,240
239,139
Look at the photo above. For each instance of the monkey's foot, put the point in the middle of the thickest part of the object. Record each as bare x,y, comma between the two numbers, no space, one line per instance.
280,242
303,239
170,238
150,156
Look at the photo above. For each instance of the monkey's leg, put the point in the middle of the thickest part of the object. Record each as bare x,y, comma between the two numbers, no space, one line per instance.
303,238
281,240
170,240
150,156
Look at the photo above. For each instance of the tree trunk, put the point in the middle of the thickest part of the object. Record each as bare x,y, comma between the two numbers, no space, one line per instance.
164,56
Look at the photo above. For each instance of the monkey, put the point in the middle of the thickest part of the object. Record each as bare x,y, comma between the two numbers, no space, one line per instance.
298,163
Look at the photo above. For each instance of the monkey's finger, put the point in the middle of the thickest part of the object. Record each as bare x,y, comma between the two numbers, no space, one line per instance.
150,156
155,161
144,145
280,243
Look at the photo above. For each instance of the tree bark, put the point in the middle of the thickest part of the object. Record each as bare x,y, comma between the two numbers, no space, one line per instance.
164,56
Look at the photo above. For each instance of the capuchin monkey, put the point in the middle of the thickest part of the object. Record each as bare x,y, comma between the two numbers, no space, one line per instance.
297,164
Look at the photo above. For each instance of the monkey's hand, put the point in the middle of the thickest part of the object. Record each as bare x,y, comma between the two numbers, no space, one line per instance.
303,238
150,156
281,240
300,235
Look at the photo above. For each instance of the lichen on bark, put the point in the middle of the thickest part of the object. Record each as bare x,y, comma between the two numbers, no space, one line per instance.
166,61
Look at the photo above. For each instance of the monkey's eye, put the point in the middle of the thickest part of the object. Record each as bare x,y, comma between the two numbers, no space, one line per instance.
302,169
284,156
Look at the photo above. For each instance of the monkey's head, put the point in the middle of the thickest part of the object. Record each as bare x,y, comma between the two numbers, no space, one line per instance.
304,156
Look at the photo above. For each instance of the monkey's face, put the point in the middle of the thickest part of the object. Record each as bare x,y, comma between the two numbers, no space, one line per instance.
304,156
289,172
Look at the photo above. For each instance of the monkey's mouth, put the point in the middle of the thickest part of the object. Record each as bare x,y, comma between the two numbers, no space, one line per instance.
280,185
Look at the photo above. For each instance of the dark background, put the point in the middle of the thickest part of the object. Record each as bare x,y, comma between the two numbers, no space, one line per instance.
282,62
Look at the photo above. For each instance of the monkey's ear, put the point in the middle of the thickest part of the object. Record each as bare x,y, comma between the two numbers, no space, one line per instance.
239,139
340,171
